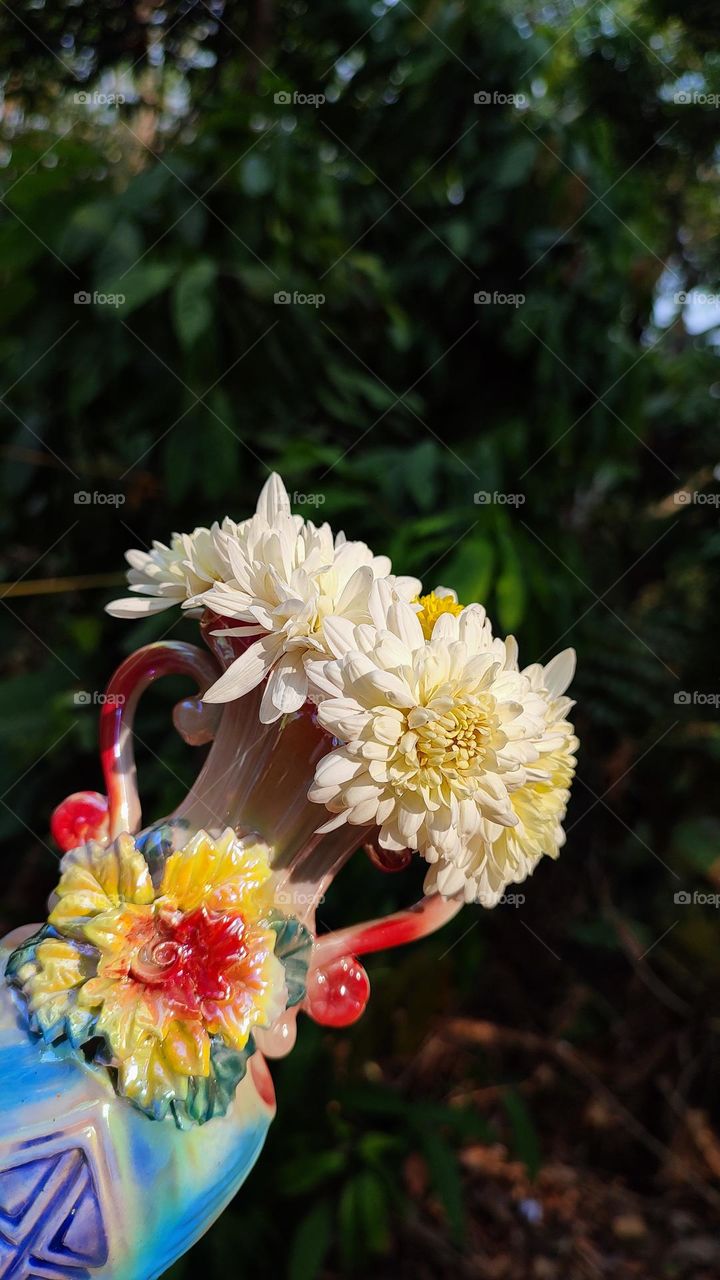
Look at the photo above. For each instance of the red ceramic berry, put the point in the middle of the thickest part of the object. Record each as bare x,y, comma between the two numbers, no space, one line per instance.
82,817
338,993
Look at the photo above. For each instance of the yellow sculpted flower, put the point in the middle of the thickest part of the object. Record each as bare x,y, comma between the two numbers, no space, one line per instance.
162,975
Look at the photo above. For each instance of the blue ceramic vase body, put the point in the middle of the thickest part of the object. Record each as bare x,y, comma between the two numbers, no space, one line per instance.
89,1186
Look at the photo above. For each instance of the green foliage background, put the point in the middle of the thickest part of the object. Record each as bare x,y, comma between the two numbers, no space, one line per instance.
397,400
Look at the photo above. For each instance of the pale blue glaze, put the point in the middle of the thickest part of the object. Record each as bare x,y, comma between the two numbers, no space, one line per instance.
91,1184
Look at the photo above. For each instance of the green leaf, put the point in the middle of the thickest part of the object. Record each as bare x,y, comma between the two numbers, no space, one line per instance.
421,474
353,1244
372,1204
516,163
143,282
87,228
310,1170
119,253
527,1144
445,1174
221,445
510,587
256,177
311,1243
471,568
192,301
697,841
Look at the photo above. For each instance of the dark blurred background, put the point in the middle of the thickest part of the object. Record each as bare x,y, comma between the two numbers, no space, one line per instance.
498,227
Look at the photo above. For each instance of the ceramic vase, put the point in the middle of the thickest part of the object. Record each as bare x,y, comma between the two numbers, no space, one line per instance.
92,1185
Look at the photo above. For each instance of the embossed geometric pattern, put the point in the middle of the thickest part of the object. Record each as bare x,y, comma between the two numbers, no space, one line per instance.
51,1224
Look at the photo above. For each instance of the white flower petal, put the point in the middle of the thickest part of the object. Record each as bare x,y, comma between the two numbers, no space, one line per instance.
403,620
337,768
559,672
245,673
409,822
137,606
354,596
287,686
332,824
362,814
388,840
273,500
339,635
372,686
406,588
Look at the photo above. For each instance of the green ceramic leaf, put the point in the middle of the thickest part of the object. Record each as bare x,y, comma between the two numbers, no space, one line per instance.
159,841
26,951
210,1096
292,947
76,1025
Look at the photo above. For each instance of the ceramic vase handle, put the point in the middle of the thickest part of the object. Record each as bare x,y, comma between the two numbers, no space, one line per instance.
126,686
87,815
427,915
338,987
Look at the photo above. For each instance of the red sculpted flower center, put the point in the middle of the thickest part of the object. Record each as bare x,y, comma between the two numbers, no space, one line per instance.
190,956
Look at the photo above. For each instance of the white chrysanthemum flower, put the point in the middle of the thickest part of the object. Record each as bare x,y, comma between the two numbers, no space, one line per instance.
539,804
177,574
287,577
439,733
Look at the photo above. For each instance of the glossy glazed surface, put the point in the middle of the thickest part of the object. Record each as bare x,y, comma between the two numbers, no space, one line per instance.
89,1186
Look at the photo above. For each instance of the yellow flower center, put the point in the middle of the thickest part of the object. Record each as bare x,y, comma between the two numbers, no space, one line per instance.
455,740
431,607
